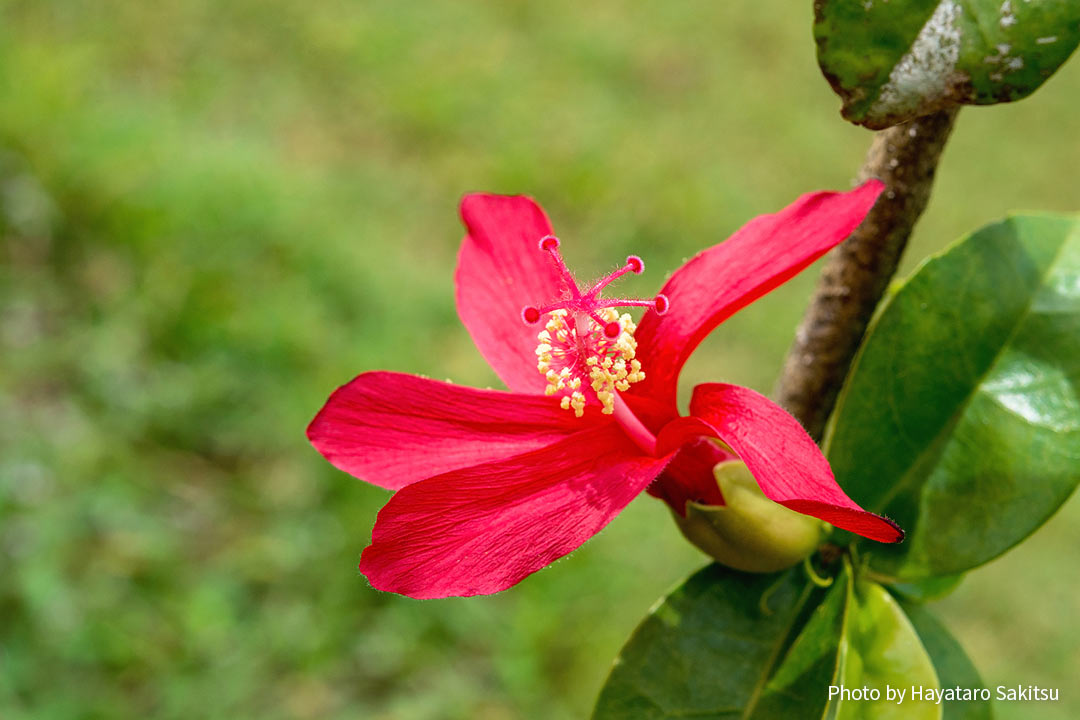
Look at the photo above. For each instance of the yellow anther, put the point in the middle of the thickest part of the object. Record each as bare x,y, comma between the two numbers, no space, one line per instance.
607,399
577,401
608,364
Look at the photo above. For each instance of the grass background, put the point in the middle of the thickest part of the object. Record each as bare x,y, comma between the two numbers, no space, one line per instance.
213,213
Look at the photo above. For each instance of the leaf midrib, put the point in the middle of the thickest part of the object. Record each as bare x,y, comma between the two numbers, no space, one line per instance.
947,427
774,657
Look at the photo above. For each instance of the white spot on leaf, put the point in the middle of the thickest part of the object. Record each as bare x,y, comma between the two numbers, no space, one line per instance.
924,73
1007,17
1009,63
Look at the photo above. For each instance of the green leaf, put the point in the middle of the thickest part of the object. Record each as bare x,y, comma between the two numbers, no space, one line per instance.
954,668
893,61
883,651
707,649
961,416
799,688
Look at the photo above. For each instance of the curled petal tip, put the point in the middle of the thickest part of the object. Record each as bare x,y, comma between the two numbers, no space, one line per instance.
900,534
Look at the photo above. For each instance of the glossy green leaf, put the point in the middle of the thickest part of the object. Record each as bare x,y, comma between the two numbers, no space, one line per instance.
961,416
883,651
710,651
954,668
799,687
893,61
707,649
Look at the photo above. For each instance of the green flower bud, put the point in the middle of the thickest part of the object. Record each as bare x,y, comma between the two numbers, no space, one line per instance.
750,532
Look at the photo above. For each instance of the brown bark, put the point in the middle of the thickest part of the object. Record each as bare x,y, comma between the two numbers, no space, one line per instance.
858,271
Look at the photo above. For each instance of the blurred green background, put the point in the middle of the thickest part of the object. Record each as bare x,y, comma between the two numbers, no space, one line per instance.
213,213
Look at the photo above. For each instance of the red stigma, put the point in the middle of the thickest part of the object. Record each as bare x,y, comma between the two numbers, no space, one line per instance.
661,304
530,315
612,329
549,243
636,264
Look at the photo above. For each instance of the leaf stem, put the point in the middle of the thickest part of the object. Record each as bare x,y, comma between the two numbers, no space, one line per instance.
857,273
818,580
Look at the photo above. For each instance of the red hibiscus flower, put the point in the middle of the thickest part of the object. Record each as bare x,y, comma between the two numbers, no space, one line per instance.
492,485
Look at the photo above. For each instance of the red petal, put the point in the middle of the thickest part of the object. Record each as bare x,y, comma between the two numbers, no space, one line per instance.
501,269
689,476
482,529
715,284
392,429
787,464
